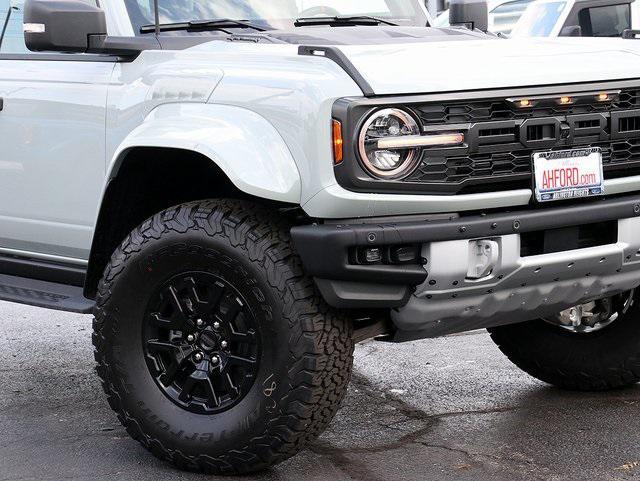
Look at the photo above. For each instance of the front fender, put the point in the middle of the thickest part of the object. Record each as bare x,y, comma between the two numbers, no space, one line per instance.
247,148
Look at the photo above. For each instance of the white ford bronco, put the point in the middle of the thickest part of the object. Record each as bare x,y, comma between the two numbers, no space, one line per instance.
240,190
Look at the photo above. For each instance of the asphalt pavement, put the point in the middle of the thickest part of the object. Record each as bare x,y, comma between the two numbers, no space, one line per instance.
445,409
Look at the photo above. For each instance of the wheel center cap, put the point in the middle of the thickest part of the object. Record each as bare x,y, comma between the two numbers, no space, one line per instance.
208,341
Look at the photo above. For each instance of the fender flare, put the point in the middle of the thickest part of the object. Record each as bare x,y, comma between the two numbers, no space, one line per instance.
243,144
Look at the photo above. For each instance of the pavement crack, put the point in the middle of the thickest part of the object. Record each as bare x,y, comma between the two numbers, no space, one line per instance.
451,449
349,459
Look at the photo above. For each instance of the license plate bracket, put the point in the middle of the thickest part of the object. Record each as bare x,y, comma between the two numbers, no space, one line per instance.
568,174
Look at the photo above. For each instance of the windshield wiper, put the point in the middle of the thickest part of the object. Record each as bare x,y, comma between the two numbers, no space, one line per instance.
214,24
342,20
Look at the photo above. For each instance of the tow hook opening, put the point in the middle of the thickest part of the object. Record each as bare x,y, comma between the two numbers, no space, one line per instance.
484,255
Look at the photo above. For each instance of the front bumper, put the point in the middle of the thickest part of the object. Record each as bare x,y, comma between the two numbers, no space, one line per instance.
437,298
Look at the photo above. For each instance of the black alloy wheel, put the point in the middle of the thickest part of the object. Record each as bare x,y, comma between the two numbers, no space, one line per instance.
201,342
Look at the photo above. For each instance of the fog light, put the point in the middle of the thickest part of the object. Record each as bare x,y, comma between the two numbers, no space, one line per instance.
373,255
403,254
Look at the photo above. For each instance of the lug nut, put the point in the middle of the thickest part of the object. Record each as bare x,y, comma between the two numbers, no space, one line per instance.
215,360
191,338
216,325
224,344
198,357
199,323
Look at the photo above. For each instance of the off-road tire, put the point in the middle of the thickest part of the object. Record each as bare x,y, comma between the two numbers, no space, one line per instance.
309,372
596,361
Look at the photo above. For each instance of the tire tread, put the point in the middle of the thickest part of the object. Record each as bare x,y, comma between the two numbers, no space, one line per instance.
320,345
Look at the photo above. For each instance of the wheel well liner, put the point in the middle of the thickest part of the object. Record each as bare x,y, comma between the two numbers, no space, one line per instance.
147,181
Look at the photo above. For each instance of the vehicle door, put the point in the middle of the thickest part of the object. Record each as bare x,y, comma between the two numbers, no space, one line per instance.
52,138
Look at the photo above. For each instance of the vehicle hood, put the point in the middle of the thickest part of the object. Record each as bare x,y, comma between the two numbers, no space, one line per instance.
499,63
414,60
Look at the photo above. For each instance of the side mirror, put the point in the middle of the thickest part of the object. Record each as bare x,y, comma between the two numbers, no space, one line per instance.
571,31
473,14
62,25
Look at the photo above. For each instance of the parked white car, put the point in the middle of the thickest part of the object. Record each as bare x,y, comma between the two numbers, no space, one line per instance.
577,18
503,15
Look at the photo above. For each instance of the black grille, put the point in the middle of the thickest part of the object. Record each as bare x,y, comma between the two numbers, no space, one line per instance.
476,172
462,112
630,124
501,139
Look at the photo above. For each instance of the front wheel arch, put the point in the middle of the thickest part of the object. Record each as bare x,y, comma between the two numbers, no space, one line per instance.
147,181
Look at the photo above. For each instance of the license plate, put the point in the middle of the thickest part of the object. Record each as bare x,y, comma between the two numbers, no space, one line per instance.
567,174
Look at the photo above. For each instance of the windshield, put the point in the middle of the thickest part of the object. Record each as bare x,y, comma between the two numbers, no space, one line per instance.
501,19
272,13
539,19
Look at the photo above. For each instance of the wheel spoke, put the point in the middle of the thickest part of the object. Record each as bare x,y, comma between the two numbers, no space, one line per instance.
154,345
190,383
173,323
240,361
178,355
170,373
228,384
216,293
175,300
248,336
232,312
176,318
196,305
211,391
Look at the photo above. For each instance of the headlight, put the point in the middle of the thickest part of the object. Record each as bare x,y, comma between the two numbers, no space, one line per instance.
391,143
388,163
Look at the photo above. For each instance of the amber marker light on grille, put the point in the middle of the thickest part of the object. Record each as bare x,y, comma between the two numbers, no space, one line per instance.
566,100
410,141
338,142
603,97
525,103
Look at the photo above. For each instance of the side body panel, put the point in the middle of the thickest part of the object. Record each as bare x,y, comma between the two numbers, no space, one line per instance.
52,156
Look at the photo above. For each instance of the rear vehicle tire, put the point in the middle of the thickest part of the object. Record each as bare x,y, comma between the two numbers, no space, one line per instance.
596,360
215,350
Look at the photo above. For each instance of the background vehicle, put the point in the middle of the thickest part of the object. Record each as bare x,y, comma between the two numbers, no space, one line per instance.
242,190
348,8
577,18
503,15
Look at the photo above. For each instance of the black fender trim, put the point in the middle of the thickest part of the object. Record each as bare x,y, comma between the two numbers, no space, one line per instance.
335,54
